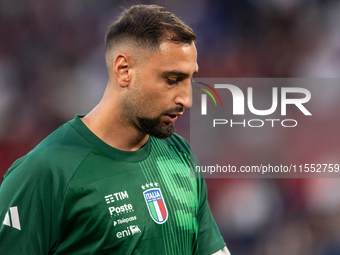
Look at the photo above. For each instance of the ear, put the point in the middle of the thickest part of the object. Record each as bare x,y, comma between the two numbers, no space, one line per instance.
122,69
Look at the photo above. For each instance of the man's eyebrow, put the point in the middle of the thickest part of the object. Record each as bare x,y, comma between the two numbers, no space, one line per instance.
178,73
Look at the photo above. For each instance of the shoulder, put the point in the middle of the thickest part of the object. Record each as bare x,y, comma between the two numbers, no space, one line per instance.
55,159
64,146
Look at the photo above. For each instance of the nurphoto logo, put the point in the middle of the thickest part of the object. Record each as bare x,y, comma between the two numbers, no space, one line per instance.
204,97
238,102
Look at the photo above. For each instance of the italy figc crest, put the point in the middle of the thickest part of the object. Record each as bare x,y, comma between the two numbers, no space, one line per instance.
155,202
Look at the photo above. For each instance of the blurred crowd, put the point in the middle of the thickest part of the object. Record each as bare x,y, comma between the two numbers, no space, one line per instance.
52,67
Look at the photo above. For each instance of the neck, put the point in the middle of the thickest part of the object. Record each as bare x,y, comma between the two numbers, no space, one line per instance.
106,122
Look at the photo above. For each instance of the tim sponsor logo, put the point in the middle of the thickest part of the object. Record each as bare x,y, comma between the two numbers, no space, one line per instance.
116,197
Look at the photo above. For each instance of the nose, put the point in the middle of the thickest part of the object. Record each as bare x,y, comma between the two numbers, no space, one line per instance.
184,96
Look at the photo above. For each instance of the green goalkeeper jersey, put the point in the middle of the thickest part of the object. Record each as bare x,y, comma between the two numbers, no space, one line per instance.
75,194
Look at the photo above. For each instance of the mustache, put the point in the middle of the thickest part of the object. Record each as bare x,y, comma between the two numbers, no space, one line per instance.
174,110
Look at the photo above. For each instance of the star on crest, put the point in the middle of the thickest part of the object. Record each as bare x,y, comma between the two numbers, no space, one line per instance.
149,185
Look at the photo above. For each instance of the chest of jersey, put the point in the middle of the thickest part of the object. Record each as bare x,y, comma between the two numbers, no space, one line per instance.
115,207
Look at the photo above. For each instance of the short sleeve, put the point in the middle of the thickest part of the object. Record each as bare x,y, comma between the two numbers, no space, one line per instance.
28,210
209,236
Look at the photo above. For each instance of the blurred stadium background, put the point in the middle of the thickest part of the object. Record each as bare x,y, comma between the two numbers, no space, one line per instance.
52,67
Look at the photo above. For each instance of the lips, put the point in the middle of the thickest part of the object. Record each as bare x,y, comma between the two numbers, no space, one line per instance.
172,117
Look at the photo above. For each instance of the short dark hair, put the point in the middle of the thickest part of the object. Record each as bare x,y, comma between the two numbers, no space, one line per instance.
148,26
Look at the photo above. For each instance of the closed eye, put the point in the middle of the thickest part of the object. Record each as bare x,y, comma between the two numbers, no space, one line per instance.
171,81
174,77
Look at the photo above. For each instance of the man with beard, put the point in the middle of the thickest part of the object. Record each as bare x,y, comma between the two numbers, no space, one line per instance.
117,181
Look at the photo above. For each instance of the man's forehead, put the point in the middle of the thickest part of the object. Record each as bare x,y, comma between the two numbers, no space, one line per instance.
169,47
175,58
